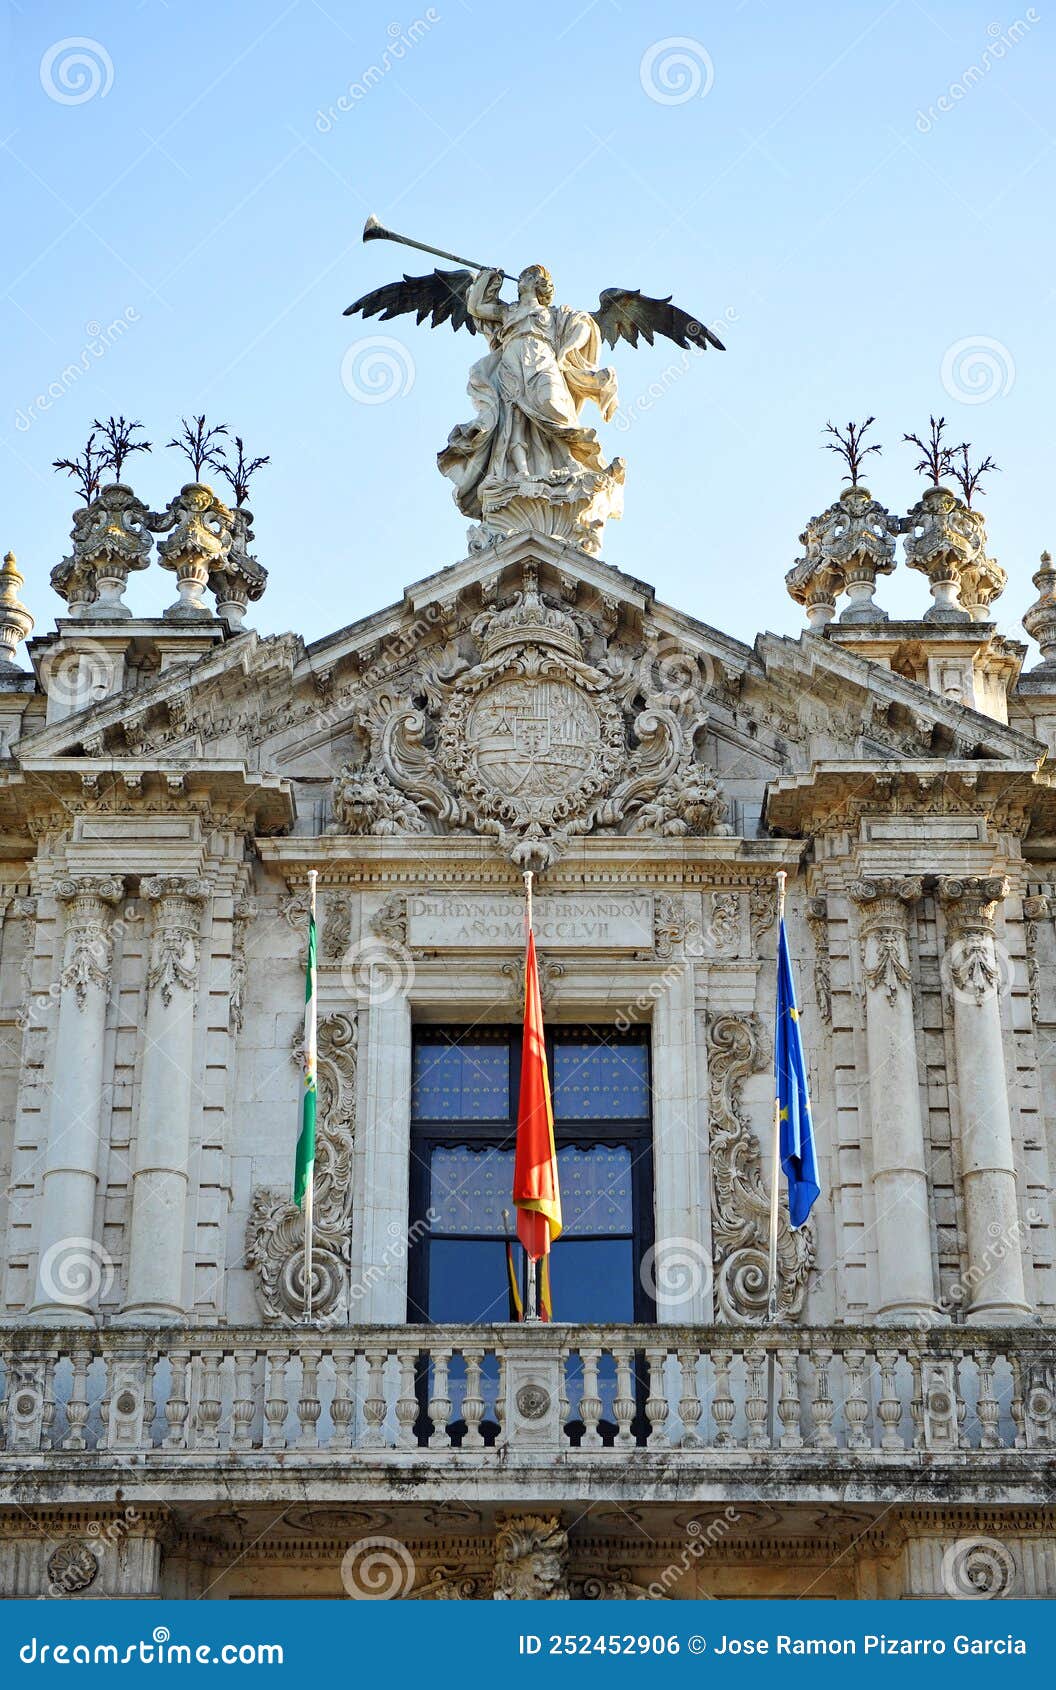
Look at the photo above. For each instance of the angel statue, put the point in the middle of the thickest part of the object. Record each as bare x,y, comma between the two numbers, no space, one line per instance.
526,461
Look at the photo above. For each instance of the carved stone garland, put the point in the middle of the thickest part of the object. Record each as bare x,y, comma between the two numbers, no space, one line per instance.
740,1204
275,1233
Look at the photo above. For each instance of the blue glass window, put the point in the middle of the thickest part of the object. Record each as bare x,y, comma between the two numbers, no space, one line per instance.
600,1082
461,1082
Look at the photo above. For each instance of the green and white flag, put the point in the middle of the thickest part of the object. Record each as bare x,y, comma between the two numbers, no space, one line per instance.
305,1163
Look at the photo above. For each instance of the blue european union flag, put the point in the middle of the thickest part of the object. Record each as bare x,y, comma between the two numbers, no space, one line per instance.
793,1097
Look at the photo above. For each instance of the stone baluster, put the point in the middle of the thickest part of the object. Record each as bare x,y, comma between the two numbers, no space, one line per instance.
690,1407
788,1400
723,1407
473,1401
163,1133
70,1263
988,1168
889,1406
276,1406
757,1400
77,1406
624,1405
374,1403
500,1402
855,1401
406,1402
309,1406
656,1405
822,1407
900,1183
590,1401
440,1399
243,1406
987,1406
209,1405
179,1404
343,1406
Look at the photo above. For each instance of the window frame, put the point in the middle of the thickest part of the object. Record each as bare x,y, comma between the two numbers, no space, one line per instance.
428,1134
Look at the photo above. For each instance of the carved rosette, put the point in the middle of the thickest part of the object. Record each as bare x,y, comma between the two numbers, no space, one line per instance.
740,1203
175,946
89,945
275,1233
970,907
883,930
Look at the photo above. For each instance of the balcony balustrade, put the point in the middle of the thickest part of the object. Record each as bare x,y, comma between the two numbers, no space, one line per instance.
877,1408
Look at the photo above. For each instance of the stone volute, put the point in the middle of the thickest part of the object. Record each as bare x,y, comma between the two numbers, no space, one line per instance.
846,548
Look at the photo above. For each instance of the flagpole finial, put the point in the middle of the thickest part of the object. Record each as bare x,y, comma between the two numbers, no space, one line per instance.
781,877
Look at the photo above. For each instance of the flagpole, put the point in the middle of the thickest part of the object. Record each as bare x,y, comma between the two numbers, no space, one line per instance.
309,1195
531,1288
775,1174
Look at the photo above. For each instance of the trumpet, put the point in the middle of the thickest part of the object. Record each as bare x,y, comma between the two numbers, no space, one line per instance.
375,231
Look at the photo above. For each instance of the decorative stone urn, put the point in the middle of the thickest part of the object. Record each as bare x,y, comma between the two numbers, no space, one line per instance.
238,578
111,538
846,548
1040,619
946,541
199,546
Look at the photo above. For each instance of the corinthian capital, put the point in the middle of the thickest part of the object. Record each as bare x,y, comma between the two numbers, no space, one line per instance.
175,949
971,904
89,948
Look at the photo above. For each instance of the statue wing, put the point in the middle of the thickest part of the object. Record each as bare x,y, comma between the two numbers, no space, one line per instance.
626,313
440,296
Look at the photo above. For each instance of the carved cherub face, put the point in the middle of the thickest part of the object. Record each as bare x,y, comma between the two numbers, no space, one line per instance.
535,283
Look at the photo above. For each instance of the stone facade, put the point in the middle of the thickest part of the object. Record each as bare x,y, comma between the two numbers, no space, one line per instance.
168,785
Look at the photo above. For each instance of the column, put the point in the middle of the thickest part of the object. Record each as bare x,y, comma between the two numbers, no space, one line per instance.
988,1169
163,1131
71,1266
679,1270
900,1182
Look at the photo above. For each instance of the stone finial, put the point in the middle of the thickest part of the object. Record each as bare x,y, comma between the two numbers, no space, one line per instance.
1040,620
946,541
110,539
198,546
846,548
16,623
239,578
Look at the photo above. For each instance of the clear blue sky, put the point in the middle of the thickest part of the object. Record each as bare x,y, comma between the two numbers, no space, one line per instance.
851,241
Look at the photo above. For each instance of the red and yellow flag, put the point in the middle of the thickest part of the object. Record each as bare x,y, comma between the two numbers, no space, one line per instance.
536,1194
